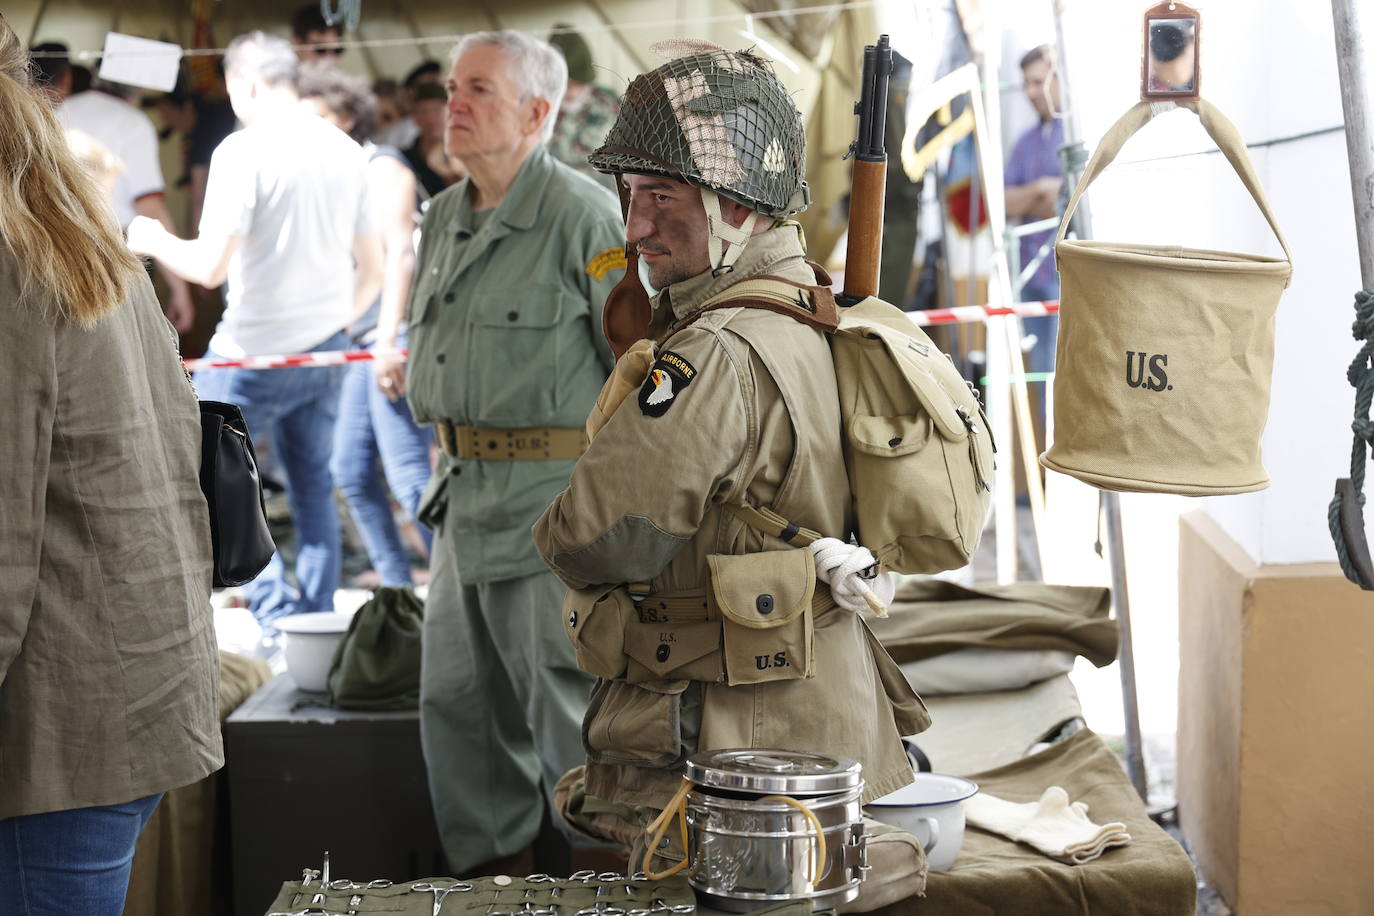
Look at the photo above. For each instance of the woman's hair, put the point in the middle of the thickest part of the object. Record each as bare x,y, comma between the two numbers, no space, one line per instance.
347,96
52,216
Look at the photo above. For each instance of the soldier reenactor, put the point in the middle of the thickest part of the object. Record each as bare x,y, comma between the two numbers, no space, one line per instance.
716,443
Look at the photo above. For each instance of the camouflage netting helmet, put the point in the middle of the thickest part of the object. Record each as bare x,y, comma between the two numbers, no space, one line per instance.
716,119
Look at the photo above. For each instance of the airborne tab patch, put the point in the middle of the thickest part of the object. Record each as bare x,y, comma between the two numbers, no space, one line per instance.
608,260
670,374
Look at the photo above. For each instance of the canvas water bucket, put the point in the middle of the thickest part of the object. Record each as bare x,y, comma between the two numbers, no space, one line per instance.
1165,353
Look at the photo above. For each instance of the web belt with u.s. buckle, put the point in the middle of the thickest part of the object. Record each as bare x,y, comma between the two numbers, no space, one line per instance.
694,606
490,444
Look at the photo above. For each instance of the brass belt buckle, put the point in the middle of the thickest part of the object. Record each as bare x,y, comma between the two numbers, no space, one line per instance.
443,431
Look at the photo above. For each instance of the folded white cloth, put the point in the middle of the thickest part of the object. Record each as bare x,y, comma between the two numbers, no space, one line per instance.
852,573
1053,825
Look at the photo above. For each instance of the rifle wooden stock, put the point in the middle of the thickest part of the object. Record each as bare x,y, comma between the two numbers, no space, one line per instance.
863,252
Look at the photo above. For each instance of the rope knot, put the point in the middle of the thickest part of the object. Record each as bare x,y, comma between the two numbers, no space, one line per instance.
1363,328
849,569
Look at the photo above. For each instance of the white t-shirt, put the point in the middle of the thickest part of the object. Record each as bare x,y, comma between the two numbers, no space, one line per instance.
295,190
128,134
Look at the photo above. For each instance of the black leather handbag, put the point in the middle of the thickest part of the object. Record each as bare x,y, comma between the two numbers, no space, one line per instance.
229,479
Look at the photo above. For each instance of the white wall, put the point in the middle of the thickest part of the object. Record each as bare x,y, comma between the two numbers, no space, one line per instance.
1271,69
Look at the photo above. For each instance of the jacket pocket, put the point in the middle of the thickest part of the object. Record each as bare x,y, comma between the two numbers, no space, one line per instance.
764,604
908,709
635,724
665,651
594,620
515,374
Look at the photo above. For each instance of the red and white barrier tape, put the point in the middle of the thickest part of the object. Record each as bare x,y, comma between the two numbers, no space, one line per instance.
292,360
967,313
959,315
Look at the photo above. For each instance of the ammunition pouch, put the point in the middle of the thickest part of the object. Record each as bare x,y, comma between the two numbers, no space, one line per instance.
594,620
675,649
765,604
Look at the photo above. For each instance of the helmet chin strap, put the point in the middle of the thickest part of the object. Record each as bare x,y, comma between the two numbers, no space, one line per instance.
720,232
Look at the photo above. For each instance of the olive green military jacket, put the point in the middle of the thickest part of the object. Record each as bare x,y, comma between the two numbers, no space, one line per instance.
505,332
109,674
740,408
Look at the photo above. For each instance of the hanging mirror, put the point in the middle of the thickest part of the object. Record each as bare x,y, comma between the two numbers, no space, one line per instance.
1169,67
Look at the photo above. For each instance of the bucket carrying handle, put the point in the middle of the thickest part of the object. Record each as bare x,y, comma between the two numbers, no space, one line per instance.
1218,127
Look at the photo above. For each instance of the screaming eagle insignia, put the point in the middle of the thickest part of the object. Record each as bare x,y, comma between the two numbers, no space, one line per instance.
670,374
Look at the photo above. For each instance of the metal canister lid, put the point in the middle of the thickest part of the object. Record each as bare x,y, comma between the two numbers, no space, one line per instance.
771,771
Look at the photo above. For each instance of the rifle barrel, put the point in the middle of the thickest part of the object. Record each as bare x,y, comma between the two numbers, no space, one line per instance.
863,253
875,140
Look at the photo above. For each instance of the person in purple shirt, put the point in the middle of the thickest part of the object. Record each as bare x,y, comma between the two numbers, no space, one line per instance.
1032,187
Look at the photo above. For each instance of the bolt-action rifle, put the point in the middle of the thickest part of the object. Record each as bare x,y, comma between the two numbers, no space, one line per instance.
863,253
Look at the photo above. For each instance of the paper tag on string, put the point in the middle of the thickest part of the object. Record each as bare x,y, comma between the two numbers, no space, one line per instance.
140,62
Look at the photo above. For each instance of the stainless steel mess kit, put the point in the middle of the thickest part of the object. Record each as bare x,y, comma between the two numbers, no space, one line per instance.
752,823
764,827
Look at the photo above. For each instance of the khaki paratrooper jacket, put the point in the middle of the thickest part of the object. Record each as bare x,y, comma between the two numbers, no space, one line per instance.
730,640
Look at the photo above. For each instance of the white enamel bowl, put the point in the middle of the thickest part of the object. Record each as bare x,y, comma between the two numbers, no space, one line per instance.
931,808
310,643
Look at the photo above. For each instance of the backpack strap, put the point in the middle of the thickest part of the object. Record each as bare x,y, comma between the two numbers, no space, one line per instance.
790,298
768,522
811,305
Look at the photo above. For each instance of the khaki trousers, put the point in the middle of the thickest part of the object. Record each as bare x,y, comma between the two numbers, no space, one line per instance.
501,706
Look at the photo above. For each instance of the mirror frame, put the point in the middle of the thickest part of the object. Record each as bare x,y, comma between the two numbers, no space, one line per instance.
1168,10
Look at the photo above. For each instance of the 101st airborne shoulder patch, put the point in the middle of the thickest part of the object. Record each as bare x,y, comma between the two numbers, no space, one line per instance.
605,262
670,375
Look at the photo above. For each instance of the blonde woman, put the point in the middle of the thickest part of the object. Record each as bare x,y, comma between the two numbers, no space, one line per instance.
108,667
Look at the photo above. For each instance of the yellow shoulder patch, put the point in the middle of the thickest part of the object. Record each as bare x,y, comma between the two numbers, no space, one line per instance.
606,261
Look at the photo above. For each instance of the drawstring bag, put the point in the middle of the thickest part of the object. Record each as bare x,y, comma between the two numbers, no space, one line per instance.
1165,353
377,665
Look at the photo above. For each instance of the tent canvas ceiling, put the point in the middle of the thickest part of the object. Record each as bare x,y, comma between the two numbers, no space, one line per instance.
819,61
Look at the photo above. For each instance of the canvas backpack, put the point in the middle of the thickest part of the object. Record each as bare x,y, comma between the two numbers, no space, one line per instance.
917,446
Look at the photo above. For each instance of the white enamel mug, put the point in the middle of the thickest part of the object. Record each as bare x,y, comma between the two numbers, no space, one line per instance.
931,809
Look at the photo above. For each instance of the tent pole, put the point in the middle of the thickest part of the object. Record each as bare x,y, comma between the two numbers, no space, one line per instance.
1109,503
1357,101
987,135
37,21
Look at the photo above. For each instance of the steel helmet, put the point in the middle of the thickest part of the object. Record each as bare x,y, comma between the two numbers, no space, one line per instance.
716,119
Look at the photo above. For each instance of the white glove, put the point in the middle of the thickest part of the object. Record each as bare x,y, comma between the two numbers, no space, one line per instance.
852,573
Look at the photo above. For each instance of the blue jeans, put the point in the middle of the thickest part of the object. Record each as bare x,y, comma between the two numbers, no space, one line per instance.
296,409
375,435
64,862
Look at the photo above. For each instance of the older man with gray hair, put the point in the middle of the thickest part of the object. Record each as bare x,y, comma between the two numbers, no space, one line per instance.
506,360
